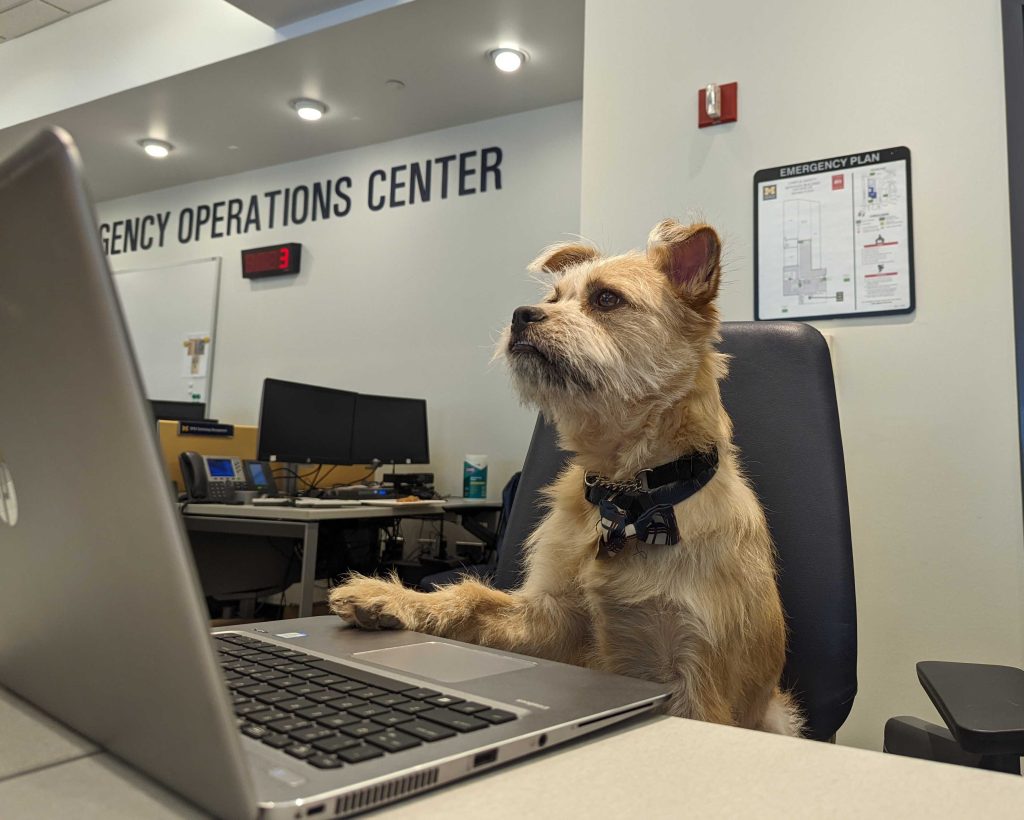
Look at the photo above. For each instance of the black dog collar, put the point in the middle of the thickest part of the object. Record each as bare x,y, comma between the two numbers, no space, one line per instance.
641,508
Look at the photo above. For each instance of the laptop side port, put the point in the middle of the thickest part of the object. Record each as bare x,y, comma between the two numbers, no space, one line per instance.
483,758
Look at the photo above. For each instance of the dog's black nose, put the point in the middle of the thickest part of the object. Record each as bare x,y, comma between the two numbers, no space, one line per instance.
525,315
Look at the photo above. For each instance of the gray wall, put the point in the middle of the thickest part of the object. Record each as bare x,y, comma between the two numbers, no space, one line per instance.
402,301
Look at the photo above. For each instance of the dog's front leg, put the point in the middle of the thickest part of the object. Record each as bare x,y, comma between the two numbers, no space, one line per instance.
539,624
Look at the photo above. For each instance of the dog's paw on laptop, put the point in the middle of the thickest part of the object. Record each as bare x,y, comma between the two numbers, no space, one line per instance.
368,603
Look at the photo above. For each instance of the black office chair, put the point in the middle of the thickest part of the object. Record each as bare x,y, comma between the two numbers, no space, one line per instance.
781,397
982,706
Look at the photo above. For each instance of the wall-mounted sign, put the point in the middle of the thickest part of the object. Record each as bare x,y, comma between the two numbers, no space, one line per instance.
833,237
272,260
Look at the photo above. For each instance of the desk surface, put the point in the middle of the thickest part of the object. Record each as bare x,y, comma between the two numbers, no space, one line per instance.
666,767
288,513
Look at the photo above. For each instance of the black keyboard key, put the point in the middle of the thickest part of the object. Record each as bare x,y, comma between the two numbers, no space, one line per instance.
330,745
323,696
347,686
368,710
273,662
230,676
300,750
413,707
258,689
427,731
274,697
255,730
366,678
295,704
392,740
316,712
419,693
390,699
444,700
468,707
361,729
325,761
495,716
338,720
357,754
268,716
329,680
346,702
306,688
291,653
367,693
391,719
249,668
453,720
237,699
232,665
238,683
307,674
288,724
311,733
277,741
249,708
266,675
259,657
287,683
291,668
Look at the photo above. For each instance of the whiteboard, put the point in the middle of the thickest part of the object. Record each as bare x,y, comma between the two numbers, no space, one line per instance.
171,314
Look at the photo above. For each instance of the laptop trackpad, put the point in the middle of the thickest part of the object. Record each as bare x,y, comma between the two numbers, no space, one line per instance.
443,661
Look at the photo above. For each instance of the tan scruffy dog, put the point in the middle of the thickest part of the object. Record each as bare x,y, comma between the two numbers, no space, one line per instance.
667,574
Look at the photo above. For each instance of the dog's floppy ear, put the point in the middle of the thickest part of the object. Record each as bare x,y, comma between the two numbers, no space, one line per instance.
689,255
556,258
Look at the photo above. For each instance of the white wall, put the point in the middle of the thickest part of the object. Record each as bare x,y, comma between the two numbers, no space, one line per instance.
402,301
927,402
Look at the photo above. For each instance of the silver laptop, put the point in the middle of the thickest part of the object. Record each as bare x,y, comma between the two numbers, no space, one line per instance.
102,623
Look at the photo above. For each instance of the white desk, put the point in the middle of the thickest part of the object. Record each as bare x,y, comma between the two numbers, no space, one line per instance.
664,768
304,523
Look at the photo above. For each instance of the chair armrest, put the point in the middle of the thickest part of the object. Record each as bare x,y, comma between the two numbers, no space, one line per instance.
982,704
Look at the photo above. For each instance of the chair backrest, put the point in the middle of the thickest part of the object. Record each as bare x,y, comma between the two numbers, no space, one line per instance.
780,394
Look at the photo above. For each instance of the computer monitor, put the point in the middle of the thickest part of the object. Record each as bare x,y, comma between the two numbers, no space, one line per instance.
305,423
389,429
178,410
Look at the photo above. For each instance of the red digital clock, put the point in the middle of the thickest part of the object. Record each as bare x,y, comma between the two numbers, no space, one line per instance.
273,260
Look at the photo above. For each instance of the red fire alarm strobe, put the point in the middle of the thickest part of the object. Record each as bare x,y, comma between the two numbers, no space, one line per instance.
717,104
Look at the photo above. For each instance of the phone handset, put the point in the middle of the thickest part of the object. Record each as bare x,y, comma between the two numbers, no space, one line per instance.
193,473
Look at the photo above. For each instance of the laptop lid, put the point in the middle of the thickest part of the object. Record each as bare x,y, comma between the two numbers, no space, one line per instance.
101,619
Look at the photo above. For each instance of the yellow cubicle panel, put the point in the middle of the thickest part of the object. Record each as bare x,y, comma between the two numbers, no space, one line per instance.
172,444
243,445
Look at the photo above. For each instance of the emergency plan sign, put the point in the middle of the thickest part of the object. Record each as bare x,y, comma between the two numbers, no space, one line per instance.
833,237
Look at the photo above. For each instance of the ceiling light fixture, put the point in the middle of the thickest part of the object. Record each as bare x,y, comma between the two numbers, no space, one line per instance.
311,110
507,59
156,148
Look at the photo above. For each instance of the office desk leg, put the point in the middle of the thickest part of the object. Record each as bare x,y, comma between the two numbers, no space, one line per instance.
311,532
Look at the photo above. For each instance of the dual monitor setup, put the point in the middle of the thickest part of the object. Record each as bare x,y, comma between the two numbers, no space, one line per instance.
306,424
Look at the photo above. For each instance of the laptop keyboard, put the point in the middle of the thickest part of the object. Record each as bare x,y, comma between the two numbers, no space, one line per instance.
329,714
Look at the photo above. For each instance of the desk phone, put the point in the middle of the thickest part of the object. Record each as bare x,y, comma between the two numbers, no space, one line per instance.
217,478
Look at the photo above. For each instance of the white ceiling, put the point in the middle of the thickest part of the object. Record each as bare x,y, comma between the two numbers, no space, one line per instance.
436,47
277,14
19,17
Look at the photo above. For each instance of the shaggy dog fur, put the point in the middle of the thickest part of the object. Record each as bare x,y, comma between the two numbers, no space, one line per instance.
621,357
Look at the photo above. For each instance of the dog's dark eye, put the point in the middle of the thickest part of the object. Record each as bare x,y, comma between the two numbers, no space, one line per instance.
607,299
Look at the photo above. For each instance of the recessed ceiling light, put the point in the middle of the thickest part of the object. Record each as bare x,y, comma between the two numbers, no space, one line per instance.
395,85
156,148
309,109
507,59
